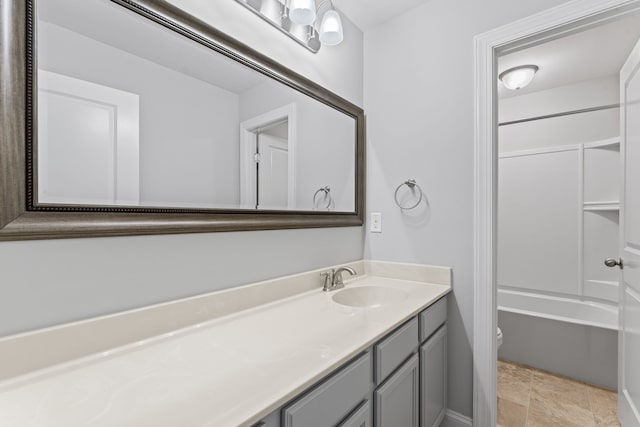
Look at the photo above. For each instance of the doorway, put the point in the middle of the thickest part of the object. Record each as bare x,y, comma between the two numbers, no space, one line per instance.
268,160
558,219
272,163
553,24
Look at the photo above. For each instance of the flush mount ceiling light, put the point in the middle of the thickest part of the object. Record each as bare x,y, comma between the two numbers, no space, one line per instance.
311,23
518,77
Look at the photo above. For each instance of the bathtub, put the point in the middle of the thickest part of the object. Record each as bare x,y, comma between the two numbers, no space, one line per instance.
601,315
569,337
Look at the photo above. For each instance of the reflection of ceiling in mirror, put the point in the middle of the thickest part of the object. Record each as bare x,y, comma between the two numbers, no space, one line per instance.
97,19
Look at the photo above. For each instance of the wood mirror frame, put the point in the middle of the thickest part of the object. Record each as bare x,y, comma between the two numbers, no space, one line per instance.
18,218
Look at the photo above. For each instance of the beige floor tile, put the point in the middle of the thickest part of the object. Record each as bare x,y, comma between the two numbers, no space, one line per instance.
561,399
538,417
548,386
558,407
604,405
548,400
514,382
511,414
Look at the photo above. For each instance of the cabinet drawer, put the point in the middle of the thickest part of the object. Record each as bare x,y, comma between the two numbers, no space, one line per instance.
432,318
331,401
395,349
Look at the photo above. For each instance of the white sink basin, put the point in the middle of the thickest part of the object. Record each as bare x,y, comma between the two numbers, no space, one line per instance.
369,296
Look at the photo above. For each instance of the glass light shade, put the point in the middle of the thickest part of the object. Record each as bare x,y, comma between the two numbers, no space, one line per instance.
518,77
302,12
331,29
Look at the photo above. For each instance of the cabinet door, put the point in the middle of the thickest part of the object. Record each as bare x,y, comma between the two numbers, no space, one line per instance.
433,379
396,401
361,417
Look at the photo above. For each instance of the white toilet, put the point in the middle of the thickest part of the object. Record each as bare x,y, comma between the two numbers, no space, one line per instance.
499,337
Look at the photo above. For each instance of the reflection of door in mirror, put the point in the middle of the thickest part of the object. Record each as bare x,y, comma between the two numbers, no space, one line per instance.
268,160
272,177
87,142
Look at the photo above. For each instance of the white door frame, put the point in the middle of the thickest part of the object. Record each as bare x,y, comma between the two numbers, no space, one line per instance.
248,129
553,23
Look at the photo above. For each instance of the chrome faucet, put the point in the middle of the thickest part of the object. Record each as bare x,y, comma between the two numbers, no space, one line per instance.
333,279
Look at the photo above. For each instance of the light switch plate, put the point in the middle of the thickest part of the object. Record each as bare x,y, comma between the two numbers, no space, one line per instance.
376,222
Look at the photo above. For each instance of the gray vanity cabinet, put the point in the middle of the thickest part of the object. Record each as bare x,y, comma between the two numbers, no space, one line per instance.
401,381
397,400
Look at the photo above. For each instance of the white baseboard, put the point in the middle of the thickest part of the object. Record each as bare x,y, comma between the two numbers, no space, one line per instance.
456,419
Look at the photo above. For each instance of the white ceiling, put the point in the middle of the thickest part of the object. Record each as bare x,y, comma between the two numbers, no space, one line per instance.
369,13
590,54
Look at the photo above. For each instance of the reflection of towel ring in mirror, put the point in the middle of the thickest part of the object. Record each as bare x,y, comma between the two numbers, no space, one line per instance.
411,183
327,195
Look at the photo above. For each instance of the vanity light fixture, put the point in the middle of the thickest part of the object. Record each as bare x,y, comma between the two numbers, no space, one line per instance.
302,12
331,28
305,12
518,77
311,23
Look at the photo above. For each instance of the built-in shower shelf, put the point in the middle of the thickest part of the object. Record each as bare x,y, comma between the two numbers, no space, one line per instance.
610,142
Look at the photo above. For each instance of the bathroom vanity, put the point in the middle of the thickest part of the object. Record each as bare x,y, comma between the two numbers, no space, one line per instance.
280,353
397,382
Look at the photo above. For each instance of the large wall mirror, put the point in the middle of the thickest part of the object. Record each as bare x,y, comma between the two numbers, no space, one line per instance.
140,119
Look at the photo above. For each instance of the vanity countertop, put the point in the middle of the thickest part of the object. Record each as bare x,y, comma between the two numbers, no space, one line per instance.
230,371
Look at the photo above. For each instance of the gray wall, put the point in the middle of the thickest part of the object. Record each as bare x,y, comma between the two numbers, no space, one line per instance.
419,103
43,283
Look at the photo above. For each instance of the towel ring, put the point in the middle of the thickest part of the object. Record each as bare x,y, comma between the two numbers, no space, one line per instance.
326,190
411,183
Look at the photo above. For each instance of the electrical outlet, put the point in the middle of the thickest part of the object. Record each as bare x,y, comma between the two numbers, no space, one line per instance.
376,222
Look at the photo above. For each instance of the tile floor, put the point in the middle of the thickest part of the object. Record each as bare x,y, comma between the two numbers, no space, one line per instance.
531,398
